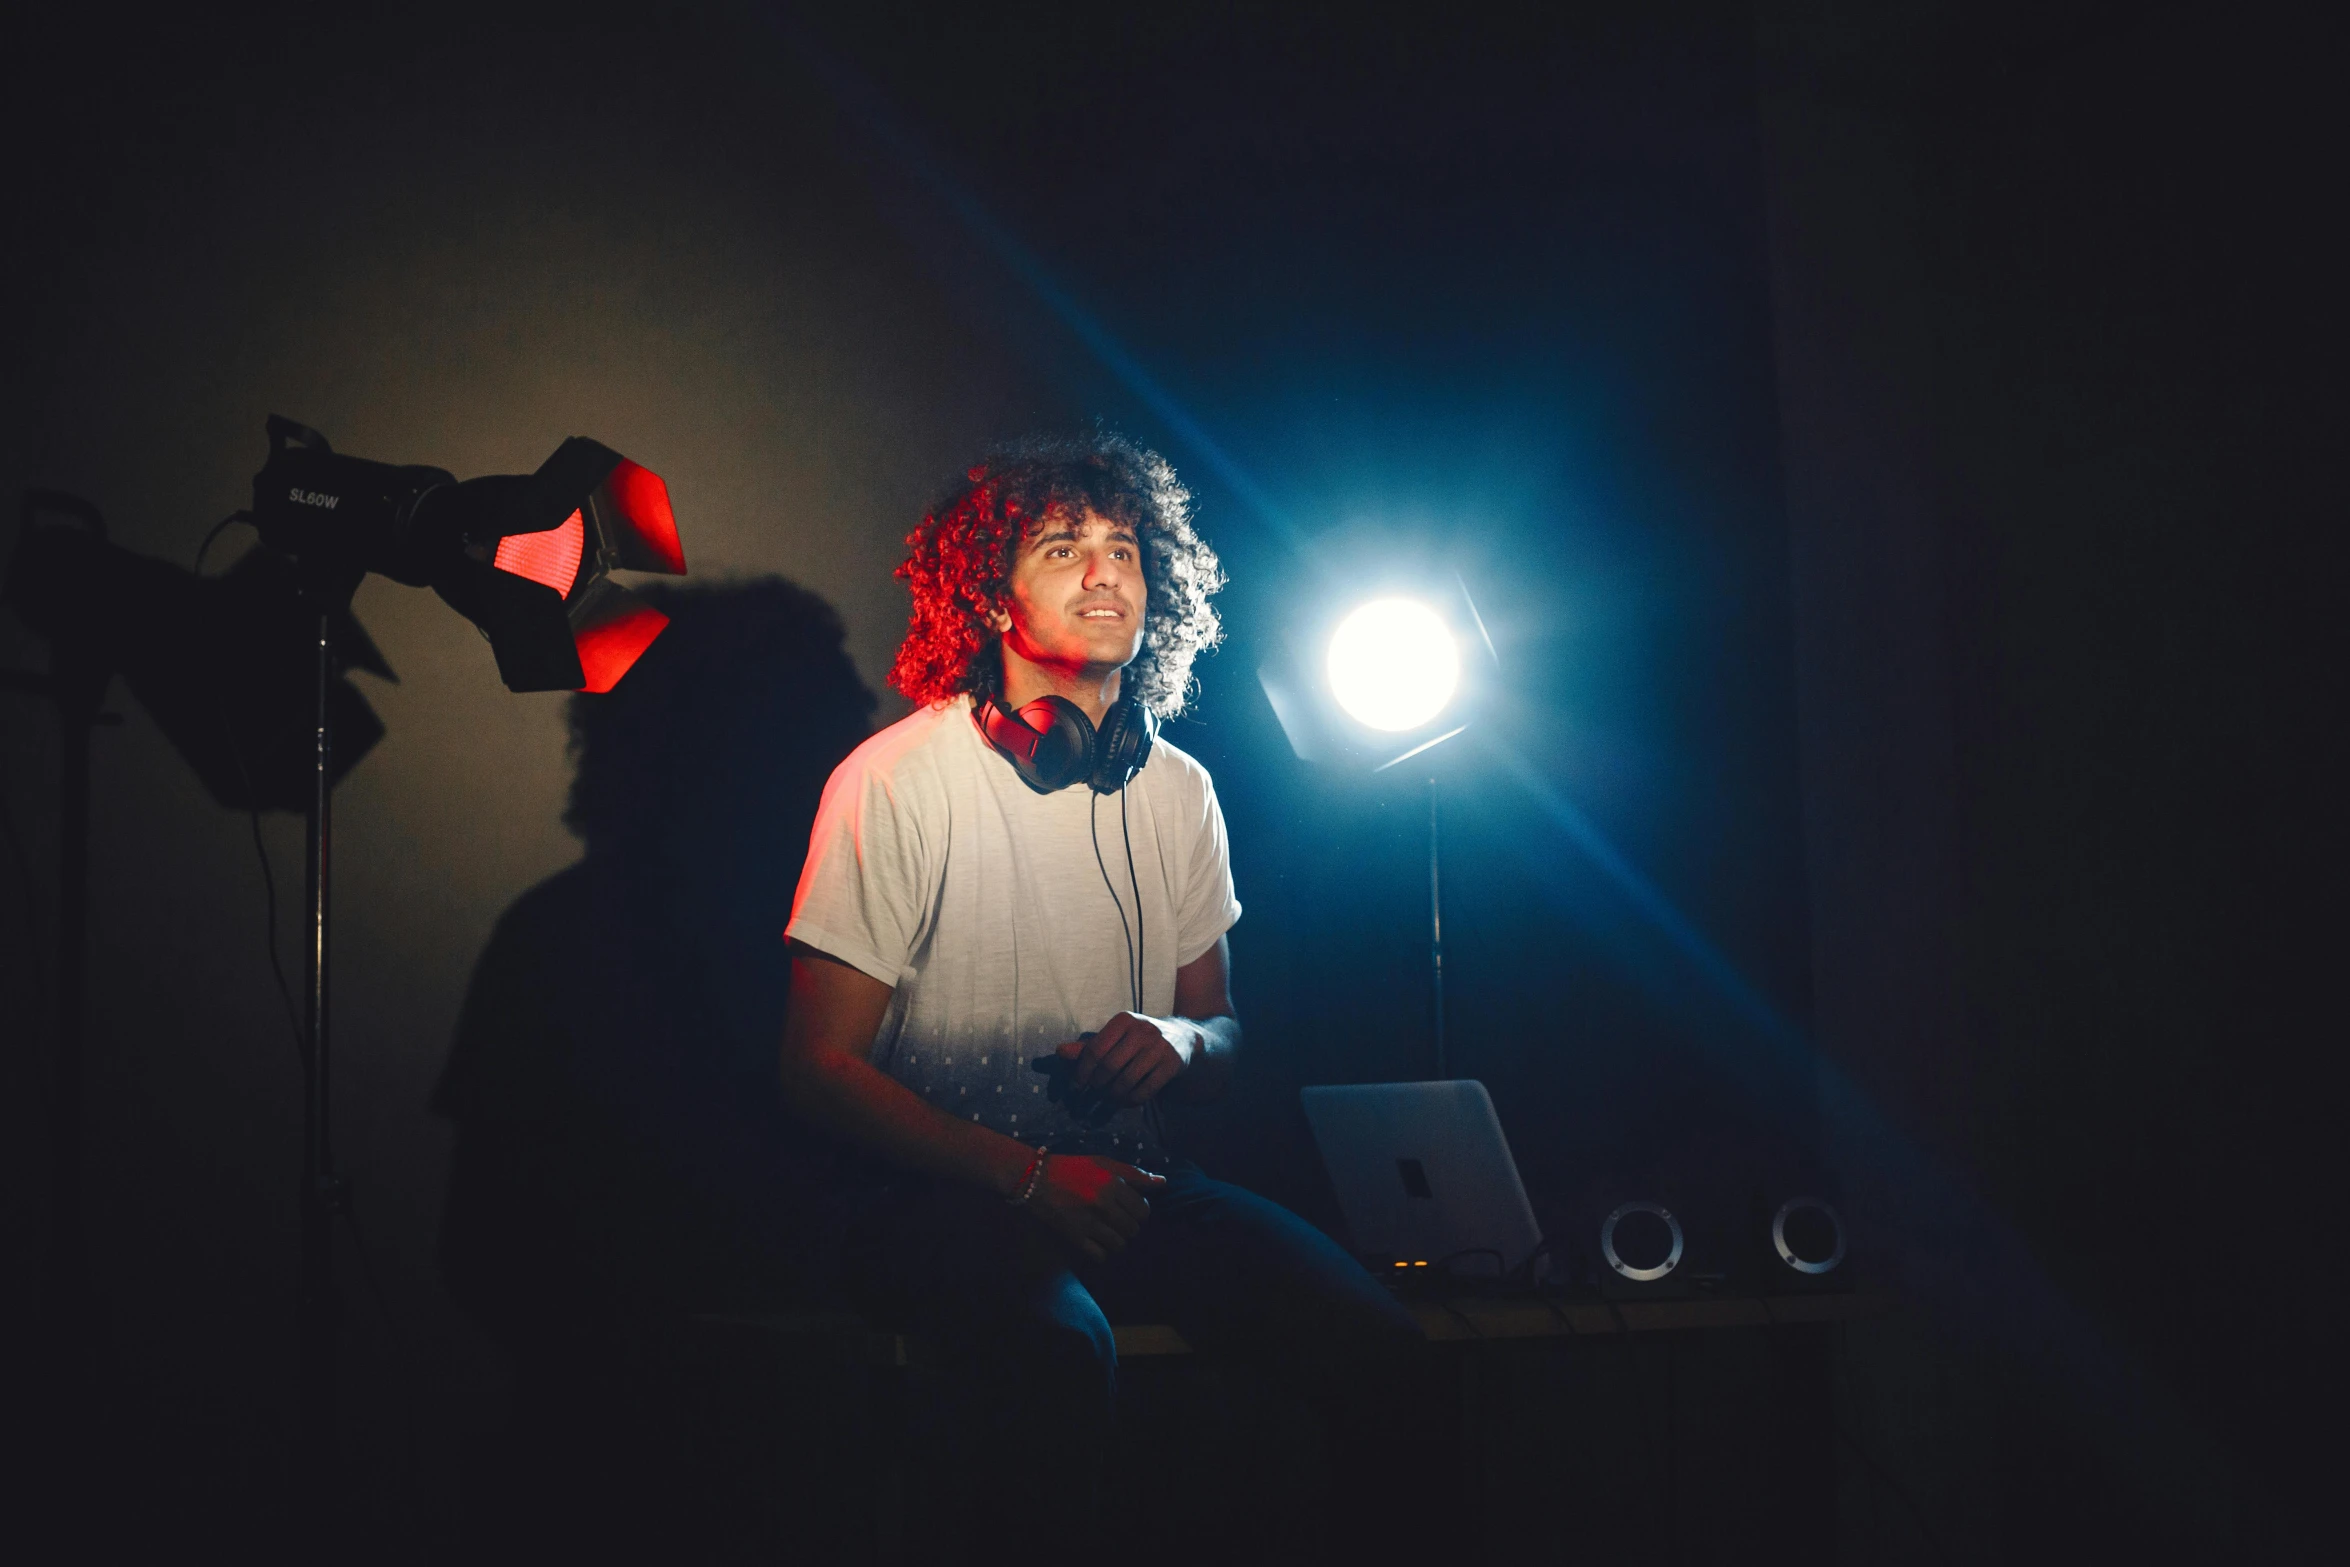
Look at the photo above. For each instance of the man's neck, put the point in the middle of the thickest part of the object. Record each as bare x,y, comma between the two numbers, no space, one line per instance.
1092,687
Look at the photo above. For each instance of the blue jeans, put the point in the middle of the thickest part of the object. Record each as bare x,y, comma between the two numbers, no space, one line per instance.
1027,1324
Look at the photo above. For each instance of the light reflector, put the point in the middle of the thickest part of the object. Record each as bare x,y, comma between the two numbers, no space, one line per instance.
612,628
551,557
648,541
1393,664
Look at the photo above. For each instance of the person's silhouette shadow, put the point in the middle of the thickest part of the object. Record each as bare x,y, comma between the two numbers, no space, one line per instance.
622,1159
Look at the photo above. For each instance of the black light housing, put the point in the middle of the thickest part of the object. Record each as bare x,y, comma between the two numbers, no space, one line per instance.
526,557
222,664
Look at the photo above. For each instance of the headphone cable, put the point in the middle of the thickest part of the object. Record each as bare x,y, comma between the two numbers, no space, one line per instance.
1140,957
1093,826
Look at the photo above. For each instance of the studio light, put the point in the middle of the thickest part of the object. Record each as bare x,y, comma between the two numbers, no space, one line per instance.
1393,665
1382,685
526,557
246,675
1395,671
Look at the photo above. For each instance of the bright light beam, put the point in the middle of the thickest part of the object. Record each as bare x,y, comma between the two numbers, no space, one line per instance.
863,103
1393,664
1956,1249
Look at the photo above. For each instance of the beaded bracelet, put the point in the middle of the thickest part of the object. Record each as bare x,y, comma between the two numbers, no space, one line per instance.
1030,1179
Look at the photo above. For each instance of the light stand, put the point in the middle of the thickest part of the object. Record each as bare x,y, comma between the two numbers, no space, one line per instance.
1387,677
325,1194
527,558
1437,938
206,658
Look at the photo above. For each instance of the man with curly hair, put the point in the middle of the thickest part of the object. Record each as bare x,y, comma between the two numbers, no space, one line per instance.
1008,946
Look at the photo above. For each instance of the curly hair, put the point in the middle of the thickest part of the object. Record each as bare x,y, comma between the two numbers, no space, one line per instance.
959,564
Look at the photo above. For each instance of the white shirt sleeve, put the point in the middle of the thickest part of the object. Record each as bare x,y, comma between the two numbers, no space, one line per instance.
1210,906
870,880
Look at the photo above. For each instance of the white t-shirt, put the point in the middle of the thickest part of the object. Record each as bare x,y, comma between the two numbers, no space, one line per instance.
936,870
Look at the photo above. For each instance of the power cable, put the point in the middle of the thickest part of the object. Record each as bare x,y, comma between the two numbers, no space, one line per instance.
218,529
277,968
402,1350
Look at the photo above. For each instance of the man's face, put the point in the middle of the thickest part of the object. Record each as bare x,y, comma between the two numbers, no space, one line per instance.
1077,595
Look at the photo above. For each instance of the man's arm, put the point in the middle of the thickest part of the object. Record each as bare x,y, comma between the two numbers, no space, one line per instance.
1188,1057
829,1077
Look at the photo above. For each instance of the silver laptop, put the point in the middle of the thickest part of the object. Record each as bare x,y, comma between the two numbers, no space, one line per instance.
1424,1174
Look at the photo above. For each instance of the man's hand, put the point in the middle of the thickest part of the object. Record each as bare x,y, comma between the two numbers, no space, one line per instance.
1096,1205
1132,1057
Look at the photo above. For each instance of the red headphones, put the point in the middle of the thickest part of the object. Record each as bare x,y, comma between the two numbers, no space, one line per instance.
1052,744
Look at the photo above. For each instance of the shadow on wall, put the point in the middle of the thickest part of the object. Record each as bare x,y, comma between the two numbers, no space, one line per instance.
622,1157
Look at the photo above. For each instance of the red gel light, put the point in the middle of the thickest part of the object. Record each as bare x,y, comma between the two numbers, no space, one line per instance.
608,647
551,557
644,501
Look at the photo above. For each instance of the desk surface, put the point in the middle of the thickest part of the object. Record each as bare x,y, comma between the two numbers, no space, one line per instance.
1449,1319
1463,1319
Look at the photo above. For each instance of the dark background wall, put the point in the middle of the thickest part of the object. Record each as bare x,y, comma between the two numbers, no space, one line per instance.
2057,328
1892,491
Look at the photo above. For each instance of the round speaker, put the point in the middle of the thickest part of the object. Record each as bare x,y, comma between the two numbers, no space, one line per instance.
1808,1235
1642,1241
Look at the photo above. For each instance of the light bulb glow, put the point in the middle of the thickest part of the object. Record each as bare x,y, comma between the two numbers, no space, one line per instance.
1393,664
